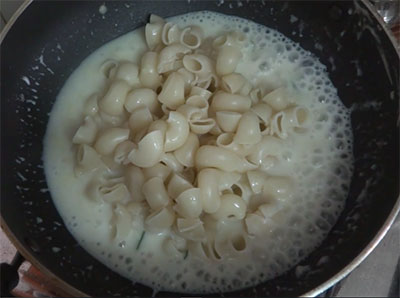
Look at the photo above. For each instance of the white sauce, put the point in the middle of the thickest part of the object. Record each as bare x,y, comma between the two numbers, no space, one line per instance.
320,161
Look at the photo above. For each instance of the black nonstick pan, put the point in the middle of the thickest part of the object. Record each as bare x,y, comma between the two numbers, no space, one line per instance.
48,41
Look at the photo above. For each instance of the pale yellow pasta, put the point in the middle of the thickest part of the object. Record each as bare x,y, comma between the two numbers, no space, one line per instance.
129,72
209,81
243,189
204,93
113,101
109,139
189,79
278,187
160,220
277,99
177,131
153,33
172,162
169,56
121,223
86,133
199,102
256,95
91,106
160,125
268,146
190,112
271,208
208,182
185,154
191,229
174,247
256,224
227,60
173,91
149,151
155,193
104,118
148,74
212,156
142,97
226,140
139,121
248,131
134,180
87,160
158,170
177,184
201,126
232,206
170,33
246,88
115,193
297,117
198,64
223,101
108,68
188,203
191,37
233,83
228,121
122,151
279,125
263,111
256,180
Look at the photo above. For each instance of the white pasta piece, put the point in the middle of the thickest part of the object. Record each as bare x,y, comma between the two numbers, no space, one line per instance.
189,78
223,101
256,95
129,72
190,112
191,37
169,56
206,94
271,208
227,180
268,146
227,60
108,68
225,140
278,187
232,206
185,154
113,101
149,151
231,39
248,131
189,174
188,203
212,156
103,118
156,19
243,189
246,88
87,160
256,224
155,193
172,162
91,106
228,121
153,33
170,34
256,180
191,229
86,133
209,81
263,111
158,170
201,126
114,193
109,139
277,99
160,220
233,83
177,131
134,181
198,64
139,121
199,102
142,97
173,91
175,246
208,182
297,117
148,74
279,125
176,185
122,151
121,223
160,125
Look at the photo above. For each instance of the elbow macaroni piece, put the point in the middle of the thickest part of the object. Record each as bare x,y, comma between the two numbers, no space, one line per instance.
142,97
188,203
248,131
86,133
177,131
155,193
109,139
223,101
129,72
185,154
113,101
148,74
173,91
227,60
149,150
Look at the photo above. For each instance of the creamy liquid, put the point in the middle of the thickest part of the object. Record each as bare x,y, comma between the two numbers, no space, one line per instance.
320,161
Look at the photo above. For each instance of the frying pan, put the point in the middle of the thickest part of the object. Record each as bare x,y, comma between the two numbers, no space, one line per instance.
48,41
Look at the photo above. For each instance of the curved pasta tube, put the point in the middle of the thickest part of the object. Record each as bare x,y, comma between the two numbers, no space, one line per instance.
256,180
277,187
248,131
228,121
225,140
129,72
297,116
113,101
188,203
108,68
122,151
270,209
160,125
172,162
198,64
149,151
277,99
233,83
156,19
246,88
148,74
109,139
121,222
169,56
176,185
201,126
153,33
190,112
160,220
212,156
263,111
158,170
155,193
256,95
134,181
227,60
208,183
86,133
243,189
177,131
101,117
173,91
191,37
191,229
199,102
232,206
268,146
189,78
231,39
142,97
139,121
185,154
223,101
175,246
114,193
196,90
91,107
87,160
256,224
208,81
279,125
170,34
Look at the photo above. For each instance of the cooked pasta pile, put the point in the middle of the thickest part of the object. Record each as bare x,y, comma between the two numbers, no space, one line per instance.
182,141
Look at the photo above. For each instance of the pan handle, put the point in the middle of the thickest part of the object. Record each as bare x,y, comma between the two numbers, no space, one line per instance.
9,275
